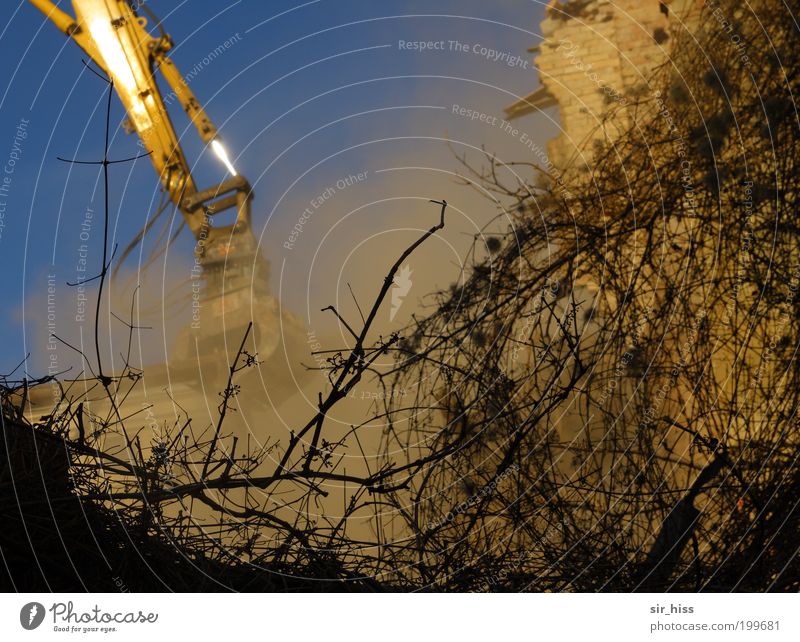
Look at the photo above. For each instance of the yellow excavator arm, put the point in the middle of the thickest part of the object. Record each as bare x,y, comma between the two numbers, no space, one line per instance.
116,39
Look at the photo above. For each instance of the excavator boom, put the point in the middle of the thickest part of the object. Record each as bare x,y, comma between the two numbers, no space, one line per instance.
114,35
116,39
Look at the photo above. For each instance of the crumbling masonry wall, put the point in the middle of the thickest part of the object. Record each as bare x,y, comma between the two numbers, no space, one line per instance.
596,58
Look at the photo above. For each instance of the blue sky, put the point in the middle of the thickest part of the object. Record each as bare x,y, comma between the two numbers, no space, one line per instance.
307,94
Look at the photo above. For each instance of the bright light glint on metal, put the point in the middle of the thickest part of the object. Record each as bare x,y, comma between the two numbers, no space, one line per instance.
219,150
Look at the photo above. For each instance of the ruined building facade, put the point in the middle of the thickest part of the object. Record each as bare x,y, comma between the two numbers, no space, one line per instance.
595,60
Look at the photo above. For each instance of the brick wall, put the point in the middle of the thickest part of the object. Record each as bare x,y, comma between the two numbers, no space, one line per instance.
597,57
